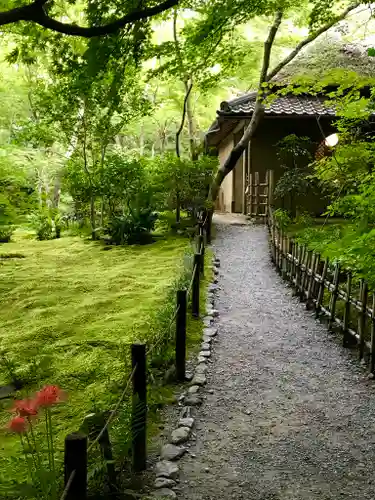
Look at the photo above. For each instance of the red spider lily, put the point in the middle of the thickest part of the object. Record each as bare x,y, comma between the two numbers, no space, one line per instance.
18,425
48,396
26,408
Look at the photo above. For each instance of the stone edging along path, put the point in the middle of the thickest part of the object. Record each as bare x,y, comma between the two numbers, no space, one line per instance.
166,469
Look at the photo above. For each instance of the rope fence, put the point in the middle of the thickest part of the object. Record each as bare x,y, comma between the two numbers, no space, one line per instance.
76,444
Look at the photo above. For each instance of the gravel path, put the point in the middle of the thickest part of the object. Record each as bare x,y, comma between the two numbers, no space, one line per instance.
291,415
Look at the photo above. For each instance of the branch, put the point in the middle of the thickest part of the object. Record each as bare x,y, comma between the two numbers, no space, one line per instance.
268,47
310,39
35,13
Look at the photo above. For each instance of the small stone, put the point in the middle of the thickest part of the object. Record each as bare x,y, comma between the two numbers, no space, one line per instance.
210,332
193,389
212,288
202,365
163,482
165,468
207,339
216,271
211,391
186,422
186,412
193,455
213,312
199,379
164,493
205,354
205,346
189,376
247,412
217,262
180,435
370,376
171,452
206,469
207,321
193,400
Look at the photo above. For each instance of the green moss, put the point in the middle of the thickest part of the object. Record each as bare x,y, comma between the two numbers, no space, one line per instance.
69,312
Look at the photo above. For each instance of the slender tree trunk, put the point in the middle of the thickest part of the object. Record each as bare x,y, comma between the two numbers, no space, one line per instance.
265,77
190,120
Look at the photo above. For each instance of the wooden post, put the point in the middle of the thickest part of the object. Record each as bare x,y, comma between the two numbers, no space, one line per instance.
256,174
372,360
201,251
319,270
346,319
251,195
334,296
195,290
299,278
75,466
271,185
306,278
362,318
139,407
311,283
319,300
94,423
181,334
209,226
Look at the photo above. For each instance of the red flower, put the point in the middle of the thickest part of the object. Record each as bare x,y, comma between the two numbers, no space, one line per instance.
48,396
26,408
18,425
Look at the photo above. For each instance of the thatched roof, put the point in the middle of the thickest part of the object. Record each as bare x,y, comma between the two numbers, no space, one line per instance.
330,53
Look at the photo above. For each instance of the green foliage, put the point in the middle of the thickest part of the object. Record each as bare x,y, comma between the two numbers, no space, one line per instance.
131,227
282,217
295,156
179,180
41,222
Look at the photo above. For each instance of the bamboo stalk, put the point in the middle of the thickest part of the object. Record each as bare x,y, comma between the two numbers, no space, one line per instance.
311,282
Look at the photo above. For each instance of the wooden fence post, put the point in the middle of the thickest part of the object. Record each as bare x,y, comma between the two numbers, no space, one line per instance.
195,289
372,361
208,226
201,251
335,291
271,186
305,283
298,268
346,319
362,318
250,195
139,407
319,271
75,466
181,334
319,300
256,189
311,282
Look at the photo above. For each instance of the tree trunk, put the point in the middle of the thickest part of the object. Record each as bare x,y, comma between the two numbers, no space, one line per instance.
92,217
265,77
190,120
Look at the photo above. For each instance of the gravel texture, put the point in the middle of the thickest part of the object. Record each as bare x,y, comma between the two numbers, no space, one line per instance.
291,414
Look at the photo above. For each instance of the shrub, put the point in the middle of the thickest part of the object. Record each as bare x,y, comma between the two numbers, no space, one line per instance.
6,231
282,218
132,227
41,221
